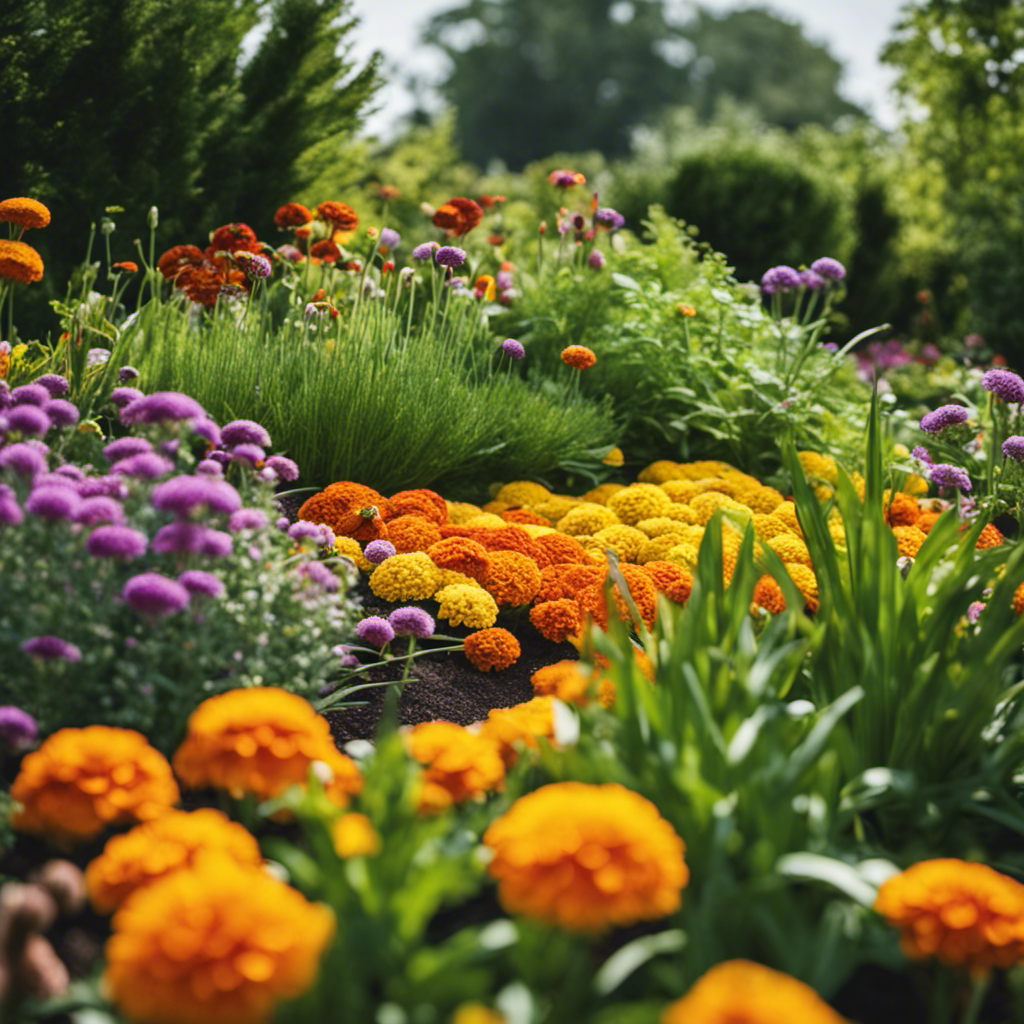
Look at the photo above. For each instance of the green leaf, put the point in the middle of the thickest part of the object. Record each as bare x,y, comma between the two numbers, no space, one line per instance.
631,957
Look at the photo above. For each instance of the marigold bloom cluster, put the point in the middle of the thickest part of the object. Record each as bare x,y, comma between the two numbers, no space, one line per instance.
463,605
512,578
25,213
353,835
458,216
459,765
491,649
463,554
20,262
557,620
406,577
579,357
520,725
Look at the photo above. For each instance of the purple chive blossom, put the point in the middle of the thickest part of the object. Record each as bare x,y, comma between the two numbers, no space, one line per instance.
24,459
411,621
216,544
127,373
247,519
944,475
504,279
207,430
179,537
116,542
154,595
375,631
18,729
184,495
170,448
252,454
53,503
390,238
283,523
147,466
779,279
30,394
327,537
28,419
210,468
284,469
61,412
425,252
812,280
609,218
54,383
256,267
224,458
945,416
55,480
596,260
922,455
1013,448
302,529
829,268
5,389
99,509
974,610
51,648
379,550
121,397
1004,384
450,256
201,584
160,407
10,510
71,472
97,356
243,432
513,348
318,574
109,486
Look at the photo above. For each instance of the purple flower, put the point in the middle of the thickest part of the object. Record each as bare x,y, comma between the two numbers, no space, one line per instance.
450,256
974,610
121,397
30,394
216,544
224,458
127,373
125,447
69,471
303,529
504,279
390,238
596,260
53,503
247,519
283,468
5,389
160,407
18,729
147,466
54,383
28,419
425,251
243,432
411,621
609,218
780,279
61,412
319,575
256,267
944,475
283,523
97,356
973,341
184,495
375,631
181,537
116,542
154,595
210,468
945,416
252,454
51,648
110,486
829,268
1004,384
379,550
10,510
208,430
812,280
24,459
1013,448
201,584
56,480
922,455
513,348
99,509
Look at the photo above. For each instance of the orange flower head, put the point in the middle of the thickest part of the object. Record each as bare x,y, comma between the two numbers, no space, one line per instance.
20,262
768,595
1018,600
511,538
353,835
126,266
463,554
670,579
235,237
561,548
512,578
493,649
412,533
82,780
388,192
741,992
25,213
336,504
153,850
585,858
484,287
520,725
421,502
963,914
338,215
641,590
567,579
292,215
903,511
685,309
564,680
579,357
220,943
260,741
557,620
566,179
990,537
458,216
177,258
325,250
459,765
523,516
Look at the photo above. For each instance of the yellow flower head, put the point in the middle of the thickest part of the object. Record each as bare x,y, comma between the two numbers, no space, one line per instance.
353,835
600,494
585,520
558,506
462,605
522,492
458,764
639,501
408,577
349,547
819,467
660,471
586,857
520,725
790,548
625,541
614,458
762,499
460,511
909,539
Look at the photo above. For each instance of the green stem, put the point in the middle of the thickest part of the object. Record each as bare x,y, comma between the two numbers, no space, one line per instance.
979,986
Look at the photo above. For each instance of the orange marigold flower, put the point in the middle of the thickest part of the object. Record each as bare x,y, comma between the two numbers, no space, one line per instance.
768,595
388,192
741,992
484,287
564,680
512,578
523,516
641,589
927,520
557,620
670,579
127,266
459,765
579,357
990,537
353,835
20,262
26,213
412,533
336,503
964,914
177,258
463,554
235,237
325,250
1018,600
152,851
292,215
491,649
338,215
421,502
685,309
902,511
567,579
585,858
909,539
458,216
82,780
260,741
220,943
520,725
511,538
561,548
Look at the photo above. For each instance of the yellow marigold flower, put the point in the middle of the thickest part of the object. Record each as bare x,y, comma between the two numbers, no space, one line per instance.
408,577
614,458
513,579
20,262
702,470
349,547
535,530
659,526
680,491
520,725
449,577
660,471
476,1013
684,554
909,540
742,480
354,836
82,780
625,541
707,504
859,484
741,992
763,499
963,914
818,466
586,520
767,526
790,548
585,858
25,213
655,549
719,484
639,501
600,494
169,843
462,605
786,514
260,741
459,764
460,511
837,531
217,944
806,582
557,507
488,520
491,649
522,492
579,357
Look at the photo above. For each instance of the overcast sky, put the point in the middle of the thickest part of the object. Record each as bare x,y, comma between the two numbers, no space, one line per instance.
854,30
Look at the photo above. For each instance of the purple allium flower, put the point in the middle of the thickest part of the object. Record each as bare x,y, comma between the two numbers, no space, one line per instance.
201,584
829,268
160,407
24,459
504,279
110,486
243,432
513,348
256,267
123,396
609,218
247,519
116,542
922,455
5,390
411,621
596,260
974,610
28,419
327,537
379,550
944,416
53,503
1013,448
1004,384
284,469
216,544
99,509
146,466
252,454
450,256
224,458
97,356
54,383
127,373
207,430
31,394
56,480
318,574
779,279
170,448
125,447
425,251
322,534
51,648
61,412
390,238
18,729
812,280
154,595
180,537
375,631
184,495
283,523
10,510
210,468
944,475
69,471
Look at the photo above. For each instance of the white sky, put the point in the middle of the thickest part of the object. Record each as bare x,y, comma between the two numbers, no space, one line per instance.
854,31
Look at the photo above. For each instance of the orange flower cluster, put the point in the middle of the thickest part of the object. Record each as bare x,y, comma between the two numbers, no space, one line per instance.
459,765
670,579
566,681
458,216
521,725
326,251
25,213
338,215
491,649
461,554
82,780
641,589
421,502
203,274
20,262
585,858
261,741
221,943
412,533
557,620
235,237
579,357
768,595
513,579
292,215
126,266
353,835
339,507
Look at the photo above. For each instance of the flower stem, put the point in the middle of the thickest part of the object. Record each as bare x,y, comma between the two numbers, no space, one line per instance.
979,986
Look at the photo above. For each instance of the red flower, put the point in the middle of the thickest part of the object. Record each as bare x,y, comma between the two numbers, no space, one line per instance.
235,238
292,215
343,217
458,216
326,251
